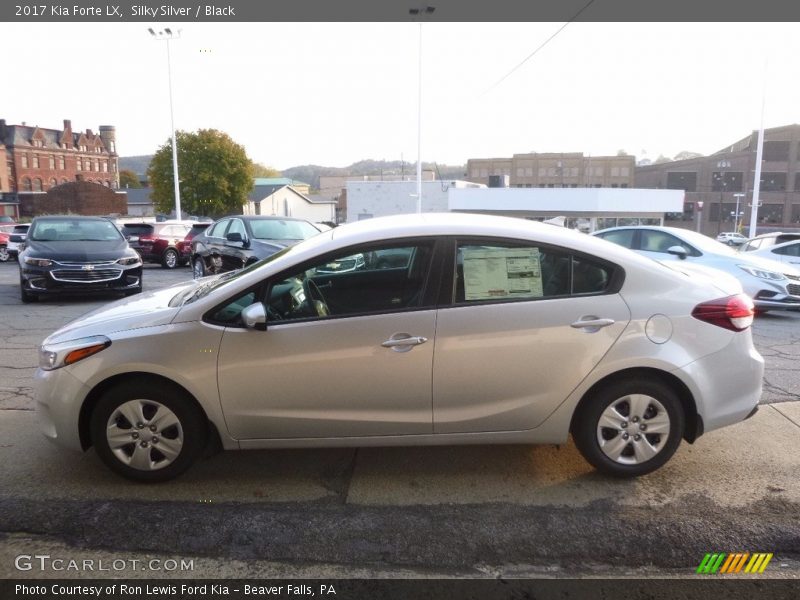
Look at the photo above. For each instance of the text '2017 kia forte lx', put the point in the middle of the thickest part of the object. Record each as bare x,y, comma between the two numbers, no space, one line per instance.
493,330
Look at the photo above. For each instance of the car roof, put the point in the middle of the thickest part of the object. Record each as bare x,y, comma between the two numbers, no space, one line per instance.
70,217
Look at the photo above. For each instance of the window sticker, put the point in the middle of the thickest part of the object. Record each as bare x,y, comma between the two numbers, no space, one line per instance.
498,273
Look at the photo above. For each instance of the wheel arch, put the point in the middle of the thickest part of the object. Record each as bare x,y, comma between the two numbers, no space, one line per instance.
144,379
694,422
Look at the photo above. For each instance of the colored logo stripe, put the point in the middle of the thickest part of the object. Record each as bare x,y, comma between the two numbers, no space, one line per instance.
733,563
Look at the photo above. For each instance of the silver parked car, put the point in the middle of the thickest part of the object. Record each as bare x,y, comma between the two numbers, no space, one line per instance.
771,284
490,330
786,252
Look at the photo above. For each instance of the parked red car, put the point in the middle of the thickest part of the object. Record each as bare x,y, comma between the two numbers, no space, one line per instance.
159,242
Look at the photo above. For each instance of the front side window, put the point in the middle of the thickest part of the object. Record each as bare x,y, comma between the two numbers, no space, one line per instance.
622,237
659,241
218,229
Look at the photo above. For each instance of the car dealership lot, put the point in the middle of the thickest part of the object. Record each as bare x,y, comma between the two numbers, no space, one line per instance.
454,510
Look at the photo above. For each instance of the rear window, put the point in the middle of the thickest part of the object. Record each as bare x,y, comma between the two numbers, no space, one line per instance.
137,229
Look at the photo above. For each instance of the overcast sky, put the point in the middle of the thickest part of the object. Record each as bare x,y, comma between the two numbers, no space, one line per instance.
334,93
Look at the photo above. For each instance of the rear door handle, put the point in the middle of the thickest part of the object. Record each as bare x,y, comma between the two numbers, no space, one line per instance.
403,342
591,324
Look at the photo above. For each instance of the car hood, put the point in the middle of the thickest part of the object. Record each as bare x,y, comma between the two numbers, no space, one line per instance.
77,251
139,311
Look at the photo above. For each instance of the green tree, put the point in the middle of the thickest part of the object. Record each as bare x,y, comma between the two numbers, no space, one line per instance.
260,170
128,179
215,174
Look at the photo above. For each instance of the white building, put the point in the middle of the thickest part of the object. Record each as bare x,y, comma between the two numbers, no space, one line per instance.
368,199
594,208
286,200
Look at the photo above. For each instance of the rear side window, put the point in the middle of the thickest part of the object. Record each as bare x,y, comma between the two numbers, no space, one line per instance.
525,272
791,250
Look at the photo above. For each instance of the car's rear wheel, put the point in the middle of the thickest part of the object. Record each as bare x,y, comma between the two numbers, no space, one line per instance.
629,428
147,431
170,259
4,255
198,268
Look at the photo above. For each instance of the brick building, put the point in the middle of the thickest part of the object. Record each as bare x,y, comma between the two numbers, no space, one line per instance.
722,178
555,170
38,159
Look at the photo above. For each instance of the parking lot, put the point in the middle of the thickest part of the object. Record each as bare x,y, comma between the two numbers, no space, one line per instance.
474,511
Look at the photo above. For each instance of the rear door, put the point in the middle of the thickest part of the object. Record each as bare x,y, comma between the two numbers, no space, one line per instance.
525,324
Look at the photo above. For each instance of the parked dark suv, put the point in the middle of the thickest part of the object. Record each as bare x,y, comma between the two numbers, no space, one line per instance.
159,242
79,255
234,242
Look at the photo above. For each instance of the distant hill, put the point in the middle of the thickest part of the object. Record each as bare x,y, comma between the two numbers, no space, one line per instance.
137,164
311,173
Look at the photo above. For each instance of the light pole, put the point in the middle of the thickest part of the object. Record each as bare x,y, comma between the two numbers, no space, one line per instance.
419,12
166,35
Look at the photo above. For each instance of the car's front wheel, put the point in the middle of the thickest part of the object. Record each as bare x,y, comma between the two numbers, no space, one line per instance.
147,430
4,255
170,259
629,428
198,267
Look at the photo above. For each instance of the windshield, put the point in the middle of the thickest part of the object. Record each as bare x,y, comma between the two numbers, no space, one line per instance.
207,285
705,244
279,229
70,230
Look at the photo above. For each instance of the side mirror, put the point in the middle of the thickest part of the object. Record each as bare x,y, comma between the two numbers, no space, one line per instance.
678,251
255,317
237,238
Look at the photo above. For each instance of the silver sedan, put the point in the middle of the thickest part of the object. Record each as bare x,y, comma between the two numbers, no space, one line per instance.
490,330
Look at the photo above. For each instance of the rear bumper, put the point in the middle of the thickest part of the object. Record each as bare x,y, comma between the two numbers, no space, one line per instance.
726,385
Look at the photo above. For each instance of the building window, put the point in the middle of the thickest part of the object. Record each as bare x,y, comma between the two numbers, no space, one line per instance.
105,166
726,181
614,172
484,173
679,180
63,180
35,161
37,185
96,166
24,161
520,172
528,171
624,172
797,182
542,171
52,161
776,151
78,164
60,163
773,182
623,185
26,184
53,182
113,146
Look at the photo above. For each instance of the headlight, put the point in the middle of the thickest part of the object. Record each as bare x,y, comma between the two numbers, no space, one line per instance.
762,273
55,356
38,262
130,260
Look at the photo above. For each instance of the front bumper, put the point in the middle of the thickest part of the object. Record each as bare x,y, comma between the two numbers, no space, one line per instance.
59,396
75,279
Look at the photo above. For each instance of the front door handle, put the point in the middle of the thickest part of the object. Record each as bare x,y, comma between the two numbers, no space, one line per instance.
591,324
403,342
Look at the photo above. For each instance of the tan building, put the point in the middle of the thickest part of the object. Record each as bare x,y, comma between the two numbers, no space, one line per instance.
554,170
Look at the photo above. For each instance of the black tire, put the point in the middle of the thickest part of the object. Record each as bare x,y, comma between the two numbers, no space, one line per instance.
4,254
187,438
170,258
661,402
198,267
25,295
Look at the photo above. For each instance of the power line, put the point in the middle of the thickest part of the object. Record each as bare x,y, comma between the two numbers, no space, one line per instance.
547,41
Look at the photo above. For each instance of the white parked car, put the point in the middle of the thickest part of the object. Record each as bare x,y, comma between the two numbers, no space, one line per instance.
489,330
731,238
787,252
771,284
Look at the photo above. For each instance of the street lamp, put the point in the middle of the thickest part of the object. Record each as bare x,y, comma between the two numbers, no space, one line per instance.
420,12
166,35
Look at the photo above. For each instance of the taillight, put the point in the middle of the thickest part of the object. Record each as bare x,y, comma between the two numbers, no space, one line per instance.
734,312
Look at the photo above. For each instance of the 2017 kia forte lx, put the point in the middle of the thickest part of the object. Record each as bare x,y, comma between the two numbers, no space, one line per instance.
494,330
